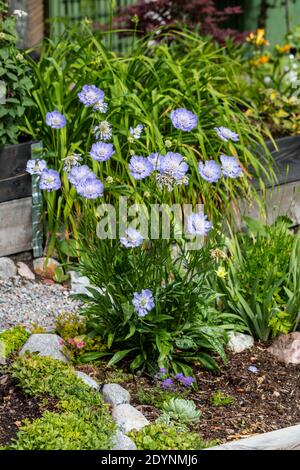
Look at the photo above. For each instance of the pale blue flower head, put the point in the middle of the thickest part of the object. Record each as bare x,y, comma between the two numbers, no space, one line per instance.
136,132
101,151
230,166
90,95
36,167
72,160
50,180
140,167
132,239
173,164
56,120
90,188
103,131
210,171
198,225
226,134
143,302
155,159
183,119
100,107
79,174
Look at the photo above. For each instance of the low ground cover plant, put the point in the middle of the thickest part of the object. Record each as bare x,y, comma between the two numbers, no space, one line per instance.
82,421
160,436
12,340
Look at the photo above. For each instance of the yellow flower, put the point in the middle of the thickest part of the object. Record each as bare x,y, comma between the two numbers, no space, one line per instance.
2,35
221,272
257,38
263,59
283,49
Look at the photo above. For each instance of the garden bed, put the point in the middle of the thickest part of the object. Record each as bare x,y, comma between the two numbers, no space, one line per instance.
15,406
262,401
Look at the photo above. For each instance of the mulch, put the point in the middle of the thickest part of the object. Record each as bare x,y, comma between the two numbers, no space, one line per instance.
263,401
15,406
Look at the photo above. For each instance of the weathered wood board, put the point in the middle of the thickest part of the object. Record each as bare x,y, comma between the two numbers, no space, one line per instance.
281,200
15,183
282,439
15,226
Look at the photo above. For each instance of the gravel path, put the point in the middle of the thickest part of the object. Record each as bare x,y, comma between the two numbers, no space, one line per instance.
25,302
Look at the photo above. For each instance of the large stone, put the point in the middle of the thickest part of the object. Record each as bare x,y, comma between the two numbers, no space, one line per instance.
7,268
115,395
128,418
122,442
87,380
238,342
24,271
79,283
287,348
45,344
45,267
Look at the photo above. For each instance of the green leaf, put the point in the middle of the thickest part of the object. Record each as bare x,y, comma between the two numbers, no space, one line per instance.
118,356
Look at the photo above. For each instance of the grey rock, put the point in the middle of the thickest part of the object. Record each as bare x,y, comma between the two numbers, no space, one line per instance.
87,380
79,283
128,418
115,395
122,442
24,271
238,342
7,268
45,345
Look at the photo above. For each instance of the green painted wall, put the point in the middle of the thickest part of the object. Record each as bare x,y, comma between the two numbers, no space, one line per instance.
276,22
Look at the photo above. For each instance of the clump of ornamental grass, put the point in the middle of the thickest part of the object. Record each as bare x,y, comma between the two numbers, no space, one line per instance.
160,124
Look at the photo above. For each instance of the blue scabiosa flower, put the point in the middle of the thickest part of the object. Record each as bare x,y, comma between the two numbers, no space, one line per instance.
101,151
167,384
132,239
71,160
136,132
197,224
230,166
173,164
56,120
90,95
183,119
143,302
90,188
79,174
210,171
155,159
36,167
103,131
100,107
140,167
50,180
226,134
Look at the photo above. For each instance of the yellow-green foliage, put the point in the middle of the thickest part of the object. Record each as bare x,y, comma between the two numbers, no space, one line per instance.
165,437
69,325
83,423
12,340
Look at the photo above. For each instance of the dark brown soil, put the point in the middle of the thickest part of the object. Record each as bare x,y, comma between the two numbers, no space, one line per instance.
15,406
262,401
